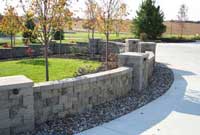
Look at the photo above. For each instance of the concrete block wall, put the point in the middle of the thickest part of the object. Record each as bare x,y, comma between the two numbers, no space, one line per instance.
69,48
23,105
147,46
135,45
150,64
99,46
138,62
132,45
19,52
58,98
16,105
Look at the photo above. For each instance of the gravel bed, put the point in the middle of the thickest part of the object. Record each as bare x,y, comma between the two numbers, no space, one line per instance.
160,82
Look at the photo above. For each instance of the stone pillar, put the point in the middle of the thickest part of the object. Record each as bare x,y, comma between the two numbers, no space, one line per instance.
93,46
147,46
132,45
16,105
138,62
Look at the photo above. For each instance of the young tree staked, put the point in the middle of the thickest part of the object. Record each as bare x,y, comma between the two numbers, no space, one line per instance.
119,23
182,17
11,23
149,20
107,11
91,14
51,16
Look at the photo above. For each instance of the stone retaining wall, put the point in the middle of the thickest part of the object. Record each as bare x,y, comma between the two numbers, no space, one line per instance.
16,105
23,105
19,52
56,99
98,46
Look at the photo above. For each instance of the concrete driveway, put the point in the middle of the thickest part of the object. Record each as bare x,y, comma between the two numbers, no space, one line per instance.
175,113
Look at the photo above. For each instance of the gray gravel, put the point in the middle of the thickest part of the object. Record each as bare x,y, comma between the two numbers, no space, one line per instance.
160,82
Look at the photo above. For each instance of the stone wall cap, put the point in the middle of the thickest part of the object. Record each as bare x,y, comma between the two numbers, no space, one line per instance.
132,39
12,82
151,54
135,54
80,79
150,43
117,43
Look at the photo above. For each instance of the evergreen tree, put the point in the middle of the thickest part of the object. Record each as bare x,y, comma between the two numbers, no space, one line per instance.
149,20
59,35
28,33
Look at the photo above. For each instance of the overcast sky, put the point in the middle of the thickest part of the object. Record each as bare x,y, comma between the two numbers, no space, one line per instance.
169,7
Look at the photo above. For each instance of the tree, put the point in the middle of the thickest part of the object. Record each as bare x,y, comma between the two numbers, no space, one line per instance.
149,20
86,25
119,19
107,11
28,34
51,15
91,13
182,17
11,23
59,35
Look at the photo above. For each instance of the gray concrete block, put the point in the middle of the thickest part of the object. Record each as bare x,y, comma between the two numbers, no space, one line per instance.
132,45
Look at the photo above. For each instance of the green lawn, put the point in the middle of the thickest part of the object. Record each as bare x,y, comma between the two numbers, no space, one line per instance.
35,68
75,37
83,36
17,41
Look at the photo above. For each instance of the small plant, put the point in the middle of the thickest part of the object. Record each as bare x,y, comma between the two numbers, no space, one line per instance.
72,41
85,70
30,52
112,61
143,37
26,41
6,45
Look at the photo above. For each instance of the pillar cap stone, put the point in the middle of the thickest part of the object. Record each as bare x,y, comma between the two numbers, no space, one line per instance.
132,39
148,43
15,82
135,54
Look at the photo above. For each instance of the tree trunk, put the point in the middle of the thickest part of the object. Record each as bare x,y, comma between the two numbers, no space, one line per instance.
117,34
46,60
46,42
60,43
11,40
93,33
14,41
182,31
107,40
171,29
88,34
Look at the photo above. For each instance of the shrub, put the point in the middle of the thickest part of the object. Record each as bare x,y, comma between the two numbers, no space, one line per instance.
85,70
28,34
59,35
